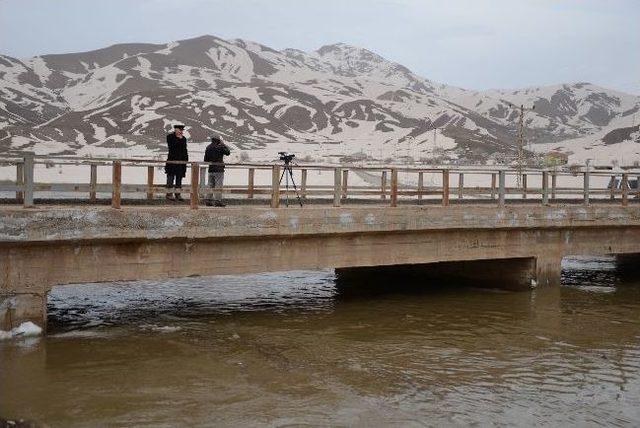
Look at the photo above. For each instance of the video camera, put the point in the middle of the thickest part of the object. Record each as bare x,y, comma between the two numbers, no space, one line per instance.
286,157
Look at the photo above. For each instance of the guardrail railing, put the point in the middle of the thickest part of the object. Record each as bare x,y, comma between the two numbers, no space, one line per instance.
335,185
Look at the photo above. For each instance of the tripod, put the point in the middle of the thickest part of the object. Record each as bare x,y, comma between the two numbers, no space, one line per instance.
287,174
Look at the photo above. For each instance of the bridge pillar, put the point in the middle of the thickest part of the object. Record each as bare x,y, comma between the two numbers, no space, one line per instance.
18,308
24,285
548,270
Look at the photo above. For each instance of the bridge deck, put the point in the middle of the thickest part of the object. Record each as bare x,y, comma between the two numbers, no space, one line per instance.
51,245
64,223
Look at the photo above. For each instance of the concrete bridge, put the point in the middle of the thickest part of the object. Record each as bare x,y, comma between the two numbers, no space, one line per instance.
513,246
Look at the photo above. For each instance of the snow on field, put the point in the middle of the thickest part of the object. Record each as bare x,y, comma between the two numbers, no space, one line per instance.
80,139
211,98
84,96
104,109
144,111
594,148
232,60
40,68
238,122
99,132
240,92
581,149
41,148
169,49
144,67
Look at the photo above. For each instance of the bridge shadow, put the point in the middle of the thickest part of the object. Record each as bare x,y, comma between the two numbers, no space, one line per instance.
386,281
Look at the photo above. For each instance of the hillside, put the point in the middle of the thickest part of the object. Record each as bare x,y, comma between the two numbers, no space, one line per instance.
337,101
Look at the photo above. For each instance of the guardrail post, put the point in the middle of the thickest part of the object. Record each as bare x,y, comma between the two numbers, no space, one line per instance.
275,186
586,188
337,176
445,187
345,180
524,186
502,188
20,182
625,190
150,179
303,184
420,186
195,184
93,182
116,182
613,187
204,170
251,183
493,185
394,187
553,186
460,184
545,187
29,164
383,185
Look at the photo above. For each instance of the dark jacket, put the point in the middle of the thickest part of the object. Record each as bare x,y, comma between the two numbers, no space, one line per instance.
215,152
177,152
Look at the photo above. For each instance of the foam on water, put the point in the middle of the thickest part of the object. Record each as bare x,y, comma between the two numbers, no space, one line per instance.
26,329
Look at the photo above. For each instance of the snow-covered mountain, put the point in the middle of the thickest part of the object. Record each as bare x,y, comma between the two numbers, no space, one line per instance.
337,101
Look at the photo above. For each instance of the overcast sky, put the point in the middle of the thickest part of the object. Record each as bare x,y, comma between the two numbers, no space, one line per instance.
475,44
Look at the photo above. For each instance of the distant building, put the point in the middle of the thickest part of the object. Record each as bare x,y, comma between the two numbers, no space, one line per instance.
556,158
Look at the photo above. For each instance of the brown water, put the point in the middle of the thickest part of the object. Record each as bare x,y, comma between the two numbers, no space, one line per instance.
295,349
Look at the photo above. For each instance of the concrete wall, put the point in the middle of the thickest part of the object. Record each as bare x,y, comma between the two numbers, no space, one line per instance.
42,248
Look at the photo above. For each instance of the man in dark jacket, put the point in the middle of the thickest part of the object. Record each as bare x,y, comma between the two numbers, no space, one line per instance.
215,153
177,152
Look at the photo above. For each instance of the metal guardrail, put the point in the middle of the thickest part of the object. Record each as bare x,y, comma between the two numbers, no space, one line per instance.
386,190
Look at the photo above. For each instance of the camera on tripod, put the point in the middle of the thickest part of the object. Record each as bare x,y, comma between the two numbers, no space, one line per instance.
287,174
286,157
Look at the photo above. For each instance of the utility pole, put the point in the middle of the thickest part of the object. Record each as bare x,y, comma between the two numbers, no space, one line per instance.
520,160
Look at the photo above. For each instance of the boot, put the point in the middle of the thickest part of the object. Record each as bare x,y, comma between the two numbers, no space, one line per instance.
178,197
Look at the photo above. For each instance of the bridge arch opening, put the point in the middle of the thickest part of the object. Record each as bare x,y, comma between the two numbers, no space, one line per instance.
507,274
600,271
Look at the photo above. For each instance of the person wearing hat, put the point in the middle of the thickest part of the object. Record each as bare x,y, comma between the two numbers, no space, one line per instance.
215,153
177,144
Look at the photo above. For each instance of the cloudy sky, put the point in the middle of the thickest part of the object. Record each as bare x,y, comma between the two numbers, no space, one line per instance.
476,44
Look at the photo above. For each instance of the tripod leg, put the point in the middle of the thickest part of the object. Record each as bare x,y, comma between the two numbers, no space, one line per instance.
295,188
286,194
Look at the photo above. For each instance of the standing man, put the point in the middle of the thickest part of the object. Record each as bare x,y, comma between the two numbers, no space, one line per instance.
177,152
215,153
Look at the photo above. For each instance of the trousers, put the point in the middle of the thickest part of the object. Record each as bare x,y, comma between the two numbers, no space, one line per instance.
171,178
216,181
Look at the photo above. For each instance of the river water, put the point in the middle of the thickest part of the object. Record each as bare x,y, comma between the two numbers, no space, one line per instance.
298,349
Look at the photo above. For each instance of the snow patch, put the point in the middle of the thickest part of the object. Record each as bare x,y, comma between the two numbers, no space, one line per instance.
26,329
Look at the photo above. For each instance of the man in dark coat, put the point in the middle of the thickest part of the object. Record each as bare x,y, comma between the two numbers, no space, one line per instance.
177,152
215,153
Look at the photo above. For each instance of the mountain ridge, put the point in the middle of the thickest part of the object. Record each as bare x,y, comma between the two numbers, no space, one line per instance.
337,101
